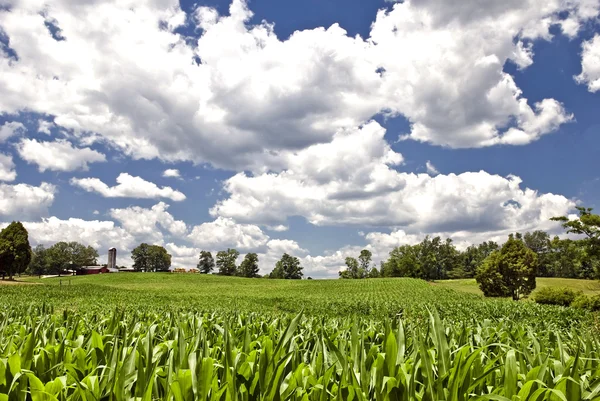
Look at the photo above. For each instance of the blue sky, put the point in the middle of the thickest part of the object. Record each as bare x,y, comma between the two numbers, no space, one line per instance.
316,128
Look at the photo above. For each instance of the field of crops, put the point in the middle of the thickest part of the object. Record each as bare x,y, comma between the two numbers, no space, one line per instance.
185,337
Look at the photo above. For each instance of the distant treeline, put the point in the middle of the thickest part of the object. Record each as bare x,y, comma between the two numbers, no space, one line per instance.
438,259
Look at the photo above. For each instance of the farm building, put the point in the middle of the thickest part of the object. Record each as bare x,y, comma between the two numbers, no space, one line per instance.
85,270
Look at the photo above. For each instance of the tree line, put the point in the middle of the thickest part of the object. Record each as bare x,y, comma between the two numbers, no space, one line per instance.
288,267
438,259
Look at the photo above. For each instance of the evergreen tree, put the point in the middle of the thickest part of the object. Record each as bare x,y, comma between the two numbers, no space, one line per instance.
206,264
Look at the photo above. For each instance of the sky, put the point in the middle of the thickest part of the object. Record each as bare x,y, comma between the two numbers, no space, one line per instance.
314,127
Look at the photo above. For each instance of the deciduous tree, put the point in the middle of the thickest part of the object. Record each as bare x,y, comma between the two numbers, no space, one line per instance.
15,251
226,262
288,267
249,266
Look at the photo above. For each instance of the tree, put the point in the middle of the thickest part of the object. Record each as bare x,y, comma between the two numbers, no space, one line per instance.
508,272
150,258
277,272
65,255
160,260
206,264
351,269
288,267
226,262
364,260
15,251
539,242
39,261
403,262
587,224
249,267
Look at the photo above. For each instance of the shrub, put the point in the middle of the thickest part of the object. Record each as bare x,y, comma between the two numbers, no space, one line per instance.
589,303
556,296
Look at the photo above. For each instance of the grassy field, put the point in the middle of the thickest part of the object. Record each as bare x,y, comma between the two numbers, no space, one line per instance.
588,287
193,337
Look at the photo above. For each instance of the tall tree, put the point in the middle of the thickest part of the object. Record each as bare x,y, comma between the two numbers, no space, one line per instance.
15,251
510,271
39,261
249,266
150,258
226,262
206,264
364,260
288,267
539,242
141,259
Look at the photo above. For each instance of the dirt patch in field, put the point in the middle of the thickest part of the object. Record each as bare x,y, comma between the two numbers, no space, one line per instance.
15,282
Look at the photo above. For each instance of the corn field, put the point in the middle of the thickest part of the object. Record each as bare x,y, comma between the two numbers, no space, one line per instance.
157,352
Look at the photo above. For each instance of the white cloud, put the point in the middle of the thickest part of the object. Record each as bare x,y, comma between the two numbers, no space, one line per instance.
26,201
101,235
147,223
590,64
7,168
59,155
10,129
226,233
128,187
45,126
174,173
431,170
324,183
253,95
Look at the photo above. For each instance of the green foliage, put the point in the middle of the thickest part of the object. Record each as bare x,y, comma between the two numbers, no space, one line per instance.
15,251
431,259
509,272
358,269
249,267
288,267
590,303
66,255
150,258
206,264
556,296
39,261
226,262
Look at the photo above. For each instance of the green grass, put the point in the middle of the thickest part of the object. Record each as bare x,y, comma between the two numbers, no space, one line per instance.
186,337
588,287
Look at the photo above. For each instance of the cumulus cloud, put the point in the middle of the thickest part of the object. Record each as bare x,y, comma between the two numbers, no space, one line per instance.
174,173
101,235
254,95
147,223
128,186
59,155
10,129
23,201
590,64
351,182
7,168
226,233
